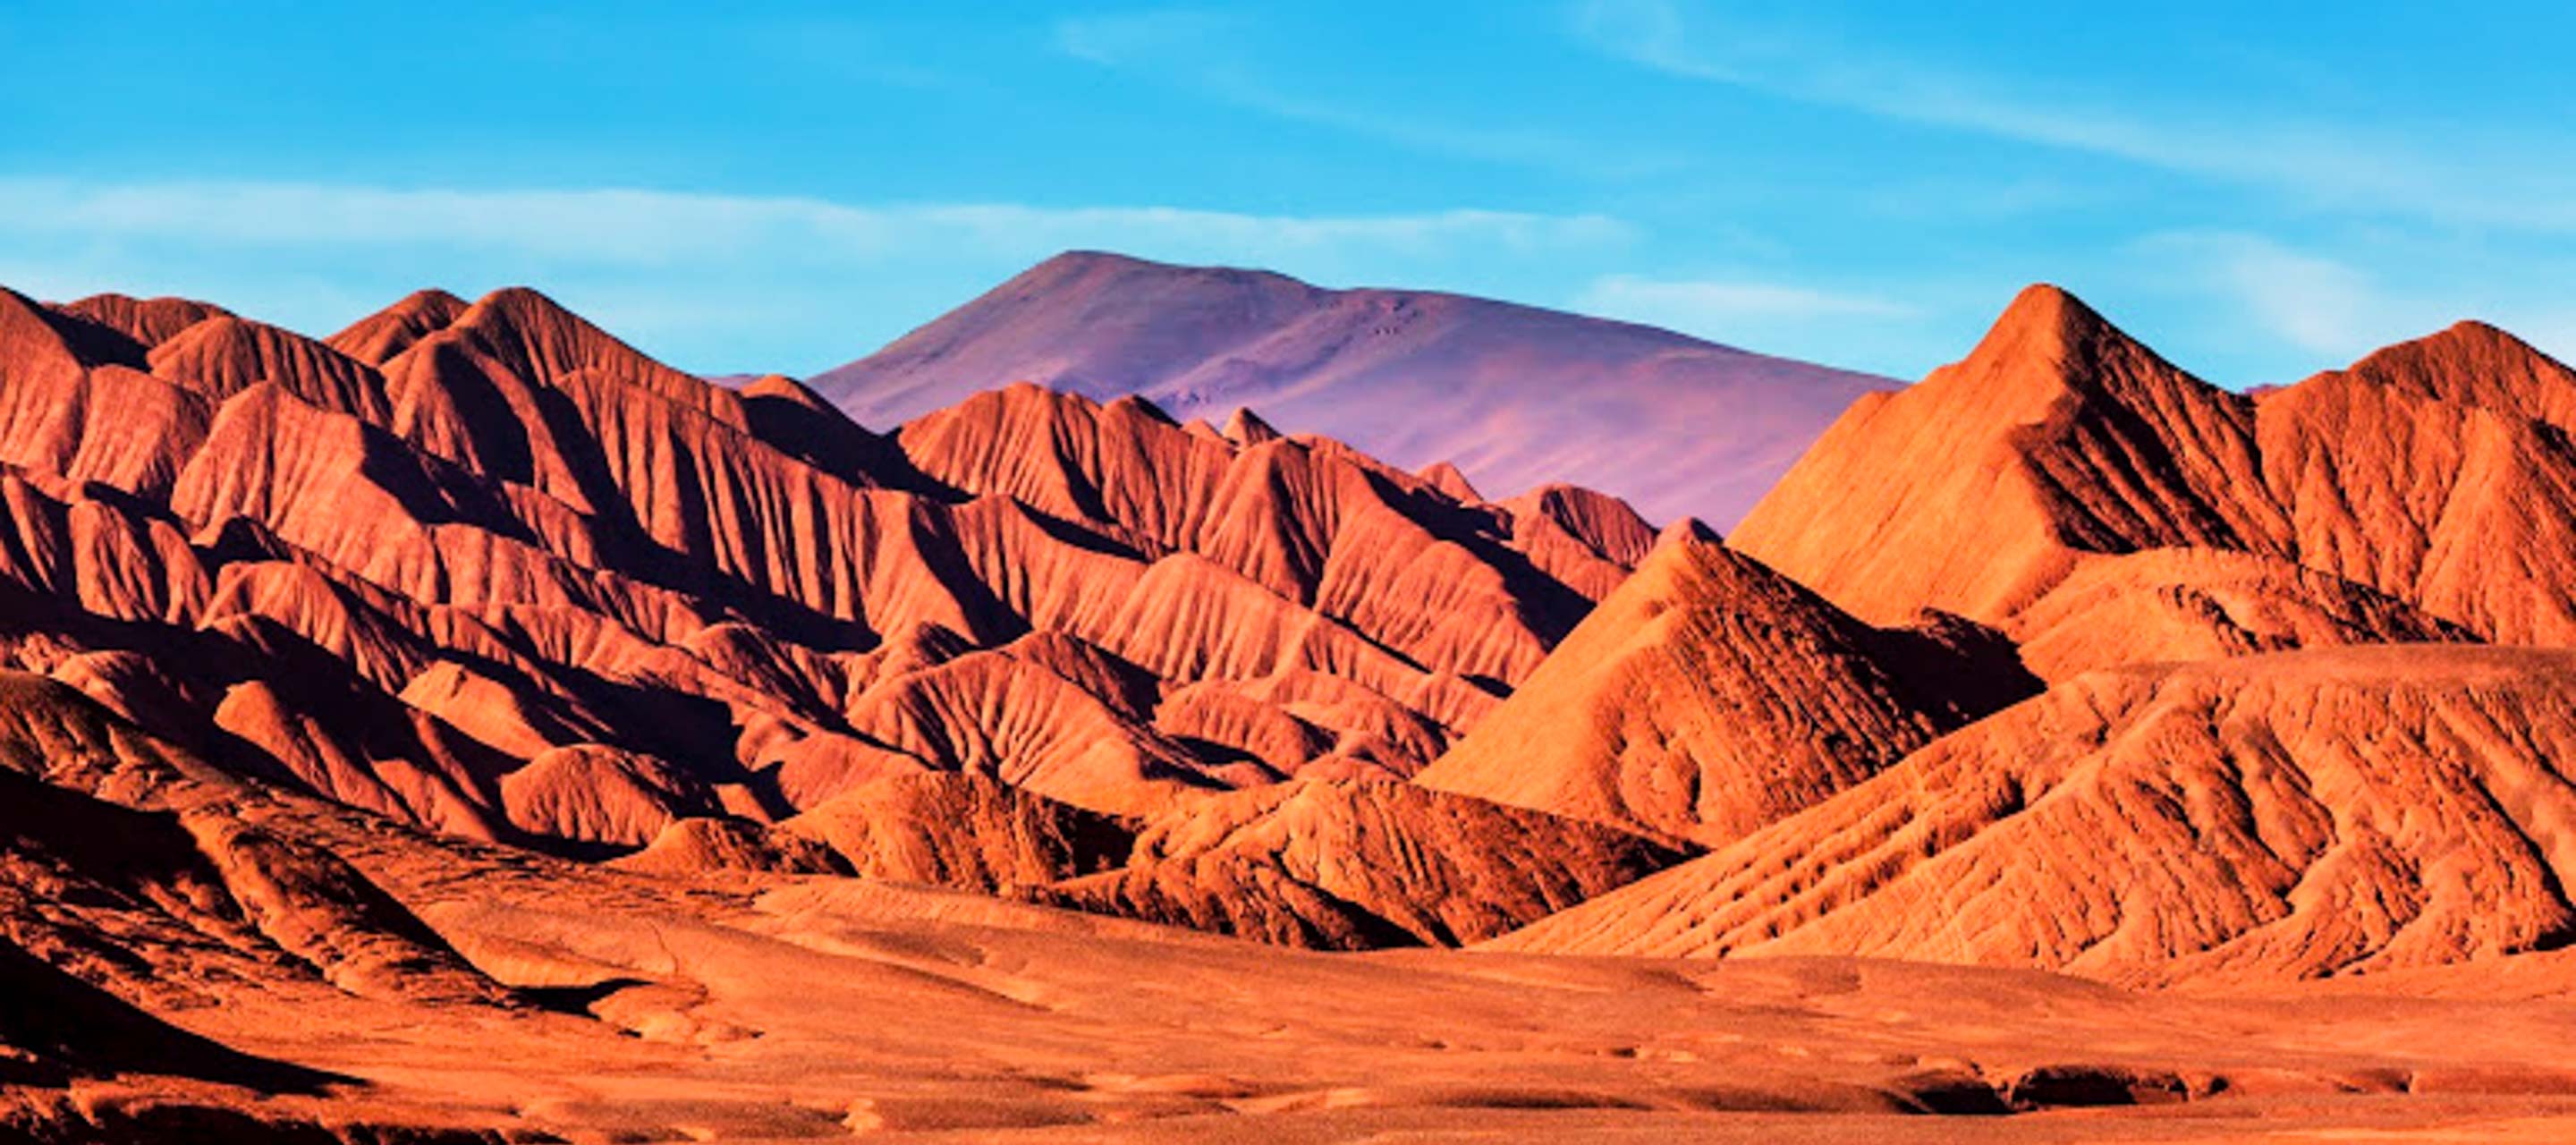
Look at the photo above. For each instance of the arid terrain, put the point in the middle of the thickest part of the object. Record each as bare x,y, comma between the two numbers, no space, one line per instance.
465,727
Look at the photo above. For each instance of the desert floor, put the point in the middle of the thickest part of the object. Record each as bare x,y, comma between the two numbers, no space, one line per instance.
773,1008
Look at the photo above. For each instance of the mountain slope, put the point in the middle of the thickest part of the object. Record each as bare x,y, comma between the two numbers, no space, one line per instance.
1677,426
1361,865
1709,696
2327,811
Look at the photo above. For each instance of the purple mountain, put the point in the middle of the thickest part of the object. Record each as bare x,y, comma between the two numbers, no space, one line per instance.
1515,396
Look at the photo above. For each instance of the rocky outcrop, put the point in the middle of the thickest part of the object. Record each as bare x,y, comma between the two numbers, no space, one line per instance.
1355,865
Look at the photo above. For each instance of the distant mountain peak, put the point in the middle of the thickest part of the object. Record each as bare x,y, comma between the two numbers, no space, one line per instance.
1511,396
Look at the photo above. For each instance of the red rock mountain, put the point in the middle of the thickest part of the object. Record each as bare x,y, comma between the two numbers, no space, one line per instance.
483,569
2192,799
2051,483
466,729
1527,397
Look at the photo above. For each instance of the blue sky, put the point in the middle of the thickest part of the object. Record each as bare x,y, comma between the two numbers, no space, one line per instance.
2258,194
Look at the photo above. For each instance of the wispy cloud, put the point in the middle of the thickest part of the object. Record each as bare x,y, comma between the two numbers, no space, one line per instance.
2328,308
2500,181
1214,54
643,226
2309,301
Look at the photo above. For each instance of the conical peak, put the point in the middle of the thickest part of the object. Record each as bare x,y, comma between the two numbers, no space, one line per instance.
1446,477
1142,407
2046,317
2048,342
377,337
1687,532
428,300
2047,301
1244,427
1683,556
431,308
522,304
526,314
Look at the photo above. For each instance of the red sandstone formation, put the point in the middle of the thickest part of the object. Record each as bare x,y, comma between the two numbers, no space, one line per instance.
328,667
2421,495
